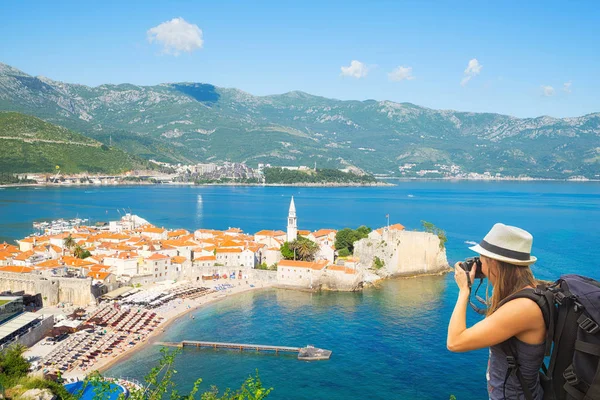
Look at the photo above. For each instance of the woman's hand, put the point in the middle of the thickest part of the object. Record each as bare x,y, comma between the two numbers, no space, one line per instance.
460,276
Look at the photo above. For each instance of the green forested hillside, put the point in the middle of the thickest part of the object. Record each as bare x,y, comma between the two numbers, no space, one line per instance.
196,122
28,144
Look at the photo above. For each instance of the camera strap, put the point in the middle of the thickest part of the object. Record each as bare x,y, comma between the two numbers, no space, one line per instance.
478,310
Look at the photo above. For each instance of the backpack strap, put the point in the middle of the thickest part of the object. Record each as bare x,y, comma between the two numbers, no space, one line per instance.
513,368
544,300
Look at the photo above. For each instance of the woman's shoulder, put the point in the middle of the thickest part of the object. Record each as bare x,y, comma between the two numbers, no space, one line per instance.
522,307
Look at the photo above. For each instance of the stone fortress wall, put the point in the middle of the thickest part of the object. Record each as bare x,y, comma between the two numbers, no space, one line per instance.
76,291
403,253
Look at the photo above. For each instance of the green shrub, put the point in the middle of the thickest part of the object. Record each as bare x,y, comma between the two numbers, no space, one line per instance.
378,263
344,252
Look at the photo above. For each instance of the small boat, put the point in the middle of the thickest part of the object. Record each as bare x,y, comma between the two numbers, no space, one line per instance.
311,353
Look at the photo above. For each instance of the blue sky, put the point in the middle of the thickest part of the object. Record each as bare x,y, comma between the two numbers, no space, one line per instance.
525,52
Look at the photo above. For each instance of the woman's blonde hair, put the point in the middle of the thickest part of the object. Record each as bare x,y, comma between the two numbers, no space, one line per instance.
509,279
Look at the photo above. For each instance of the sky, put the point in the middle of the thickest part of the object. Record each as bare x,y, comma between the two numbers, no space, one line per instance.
522,58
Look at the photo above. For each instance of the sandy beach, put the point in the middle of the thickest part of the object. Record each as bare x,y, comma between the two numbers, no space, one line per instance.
171,315
168,312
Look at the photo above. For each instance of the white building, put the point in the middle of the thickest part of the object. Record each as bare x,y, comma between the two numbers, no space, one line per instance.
299,273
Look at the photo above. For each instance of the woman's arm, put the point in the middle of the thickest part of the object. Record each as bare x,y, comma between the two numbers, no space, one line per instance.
458,320
511,319
515,317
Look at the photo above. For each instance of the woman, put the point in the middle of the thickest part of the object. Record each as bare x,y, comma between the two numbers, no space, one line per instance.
505,260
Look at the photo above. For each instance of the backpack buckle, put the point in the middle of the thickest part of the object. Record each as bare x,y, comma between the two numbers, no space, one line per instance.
559,297
512,362
570,376
588,325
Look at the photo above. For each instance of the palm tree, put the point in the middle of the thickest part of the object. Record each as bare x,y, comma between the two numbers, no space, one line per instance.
80,252
69,242
304,248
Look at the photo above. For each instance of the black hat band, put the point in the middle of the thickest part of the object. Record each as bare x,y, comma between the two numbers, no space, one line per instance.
501,251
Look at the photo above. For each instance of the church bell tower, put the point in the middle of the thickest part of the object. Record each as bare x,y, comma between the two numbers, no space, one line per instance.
292,225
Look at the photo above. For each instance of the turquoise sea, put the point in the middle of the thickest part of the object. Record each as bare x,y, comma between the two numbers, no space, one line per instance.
388,342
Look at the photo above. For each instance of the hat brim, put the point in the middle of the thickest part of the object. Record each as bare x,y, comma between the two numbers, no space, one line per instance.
523,263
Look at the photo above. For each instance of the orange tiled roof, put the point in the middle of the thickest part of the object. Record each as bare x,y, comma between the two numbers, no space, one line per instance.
9,247
153,229
15,269
316,265
24,256
128,254
397,227
158,256
265,232
178,243
205,258
230,243
99,267
255,247
229,250
323,232
178,232
49,264
75,262
178,259
98,275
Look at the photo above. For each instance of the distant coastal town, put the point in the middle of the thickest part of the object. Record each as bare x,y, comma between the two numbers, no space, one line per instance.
231,173
227,173
80,296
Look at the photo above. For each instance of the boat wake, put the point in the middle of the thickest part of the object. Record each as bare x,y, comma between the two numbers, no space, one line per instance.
470,242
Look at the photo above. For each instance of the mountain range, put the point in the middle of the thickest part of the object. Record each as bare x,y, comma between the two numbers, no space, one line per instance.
198,122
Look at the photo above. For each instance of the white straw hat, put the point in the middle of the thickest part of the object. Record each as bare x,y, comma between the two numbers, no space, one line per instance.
507,243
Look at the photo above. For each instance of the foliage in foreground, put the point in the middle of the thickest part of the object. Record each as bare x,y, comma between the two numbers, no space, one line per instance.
158,384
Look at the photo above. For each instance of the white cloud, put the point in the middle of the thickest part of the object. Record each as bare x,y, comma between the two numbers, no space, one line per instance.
401,73
473,69
356,69
176,36
567,87
547,90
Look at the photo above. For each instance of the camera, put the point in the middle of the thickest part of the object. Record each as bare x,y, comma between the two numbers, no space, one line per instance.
468,264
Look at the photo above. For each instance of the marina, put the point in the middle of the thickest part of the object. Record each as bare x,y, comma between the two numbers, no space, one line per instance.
58,226
308,353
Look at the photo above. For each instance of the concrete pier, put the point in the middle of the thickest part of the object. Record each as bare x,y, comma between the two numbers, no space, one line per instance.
244,346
